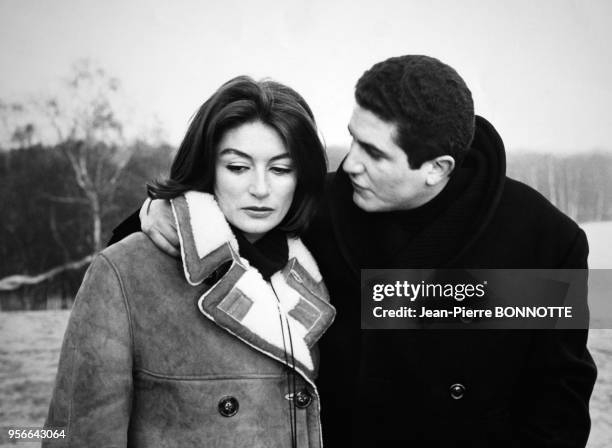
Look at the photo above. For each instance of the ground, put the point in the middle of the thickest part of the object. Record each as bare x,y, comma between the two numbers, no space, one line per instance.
31,342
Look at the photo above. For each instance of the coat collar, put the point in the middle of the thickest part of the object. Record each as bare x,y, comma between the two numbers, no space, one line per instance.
280,318
444,241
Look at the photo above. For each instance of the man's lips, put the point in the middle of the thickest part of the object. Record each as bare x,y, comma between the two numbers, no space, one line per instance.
356,186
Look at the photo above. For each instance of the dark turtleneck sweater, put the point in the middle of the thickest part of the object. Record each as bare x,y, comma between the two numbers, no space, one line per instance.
268,254
392,231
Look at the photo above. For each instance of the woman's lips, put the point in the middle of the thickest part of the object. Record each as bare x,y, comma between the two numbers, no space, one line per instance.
258,212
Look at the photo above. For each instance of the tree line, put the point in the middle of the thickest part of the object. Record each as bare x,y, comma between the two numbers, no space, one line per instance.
50,220
580,184
68,176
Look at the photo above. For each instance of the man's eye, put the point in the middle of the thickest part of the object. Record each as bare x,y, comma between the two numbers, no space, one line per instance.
237,168
374,155
371,152
281,170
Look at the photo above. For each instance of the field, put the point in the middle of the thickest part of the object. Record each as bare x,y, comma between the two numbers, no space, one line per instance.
599,235
29,350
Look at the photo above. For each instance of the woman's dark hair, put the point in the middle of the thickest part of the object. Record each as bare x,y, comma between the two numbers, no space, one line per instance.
243,100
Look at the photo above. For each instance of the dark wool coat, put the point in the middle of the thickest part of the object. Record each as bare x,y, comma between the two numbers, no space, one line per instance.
452,388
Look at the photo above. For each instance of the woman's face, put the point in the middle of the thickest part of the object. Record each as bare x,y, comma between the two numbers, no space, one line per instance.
254,178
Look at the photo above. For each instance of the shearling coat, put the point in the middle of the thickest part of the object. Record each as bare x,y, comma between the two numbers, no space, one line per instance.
156,356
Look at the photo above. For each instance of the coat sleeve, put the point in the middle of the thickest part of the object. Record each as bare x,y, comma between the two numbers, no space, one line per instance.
92,395
129,225
559,379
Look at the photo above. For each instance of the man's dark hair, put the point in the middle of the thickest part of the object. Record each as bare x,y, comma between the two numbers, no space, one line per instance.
239,101
427,100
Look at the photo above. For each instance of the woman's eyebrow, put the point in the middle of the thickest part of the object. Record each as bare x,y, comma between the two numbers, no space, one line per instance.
284,155
237,152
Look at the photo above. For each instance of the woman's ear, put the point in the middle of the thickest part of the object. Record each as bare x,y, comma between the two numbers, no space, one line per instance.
440,170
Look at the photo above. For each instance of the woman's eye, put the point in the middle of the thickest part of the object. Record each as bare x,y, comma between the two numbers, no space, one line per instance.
237,168
281,170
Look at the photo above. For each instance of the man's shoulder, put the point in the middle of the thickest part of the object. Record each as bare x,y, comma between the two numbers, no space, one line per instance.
526,221
532,206
129,225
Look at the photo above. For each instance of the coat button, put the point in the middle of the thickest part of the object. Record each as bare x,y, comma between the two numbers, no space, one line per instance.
302,399
228,406
457,391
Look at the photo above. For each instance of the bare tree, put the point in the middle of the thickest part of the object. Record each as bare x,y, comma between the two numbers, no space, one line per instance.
89,132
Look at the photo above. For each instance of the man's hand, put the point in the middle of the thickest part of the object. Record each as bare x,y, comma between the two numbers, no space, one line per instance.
157,222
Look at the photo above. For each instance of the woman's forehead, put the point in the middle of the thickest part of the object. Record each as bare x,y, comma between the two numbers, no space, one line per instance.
254,141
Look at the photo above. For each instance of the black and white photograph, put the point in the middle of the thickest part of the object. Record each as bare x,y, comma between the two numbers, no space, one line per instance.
306,223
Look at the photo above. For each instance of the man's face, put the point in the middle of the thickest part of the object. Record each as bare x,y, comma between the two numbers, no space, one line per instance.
378,168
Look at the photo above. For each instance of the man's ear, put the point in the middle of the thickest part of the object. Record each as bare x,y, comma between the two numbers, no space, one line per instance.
440,169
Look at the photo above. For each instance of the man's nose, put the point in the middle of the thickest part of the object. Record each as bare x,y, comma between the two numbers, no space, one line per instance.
259,185
352,164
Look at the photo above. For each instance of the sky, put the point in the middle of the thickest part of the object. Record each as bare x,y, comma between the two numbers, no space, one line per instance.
539,70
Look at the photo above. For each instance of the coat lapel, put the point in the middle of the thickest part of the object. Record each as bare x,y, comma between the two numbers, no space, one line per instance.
282,318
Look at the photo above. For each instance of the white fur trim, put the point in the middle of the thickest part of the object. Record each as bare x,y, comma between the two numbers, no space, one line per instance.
208,224
303,255
271,355
289,299
263,317
268,317
287,296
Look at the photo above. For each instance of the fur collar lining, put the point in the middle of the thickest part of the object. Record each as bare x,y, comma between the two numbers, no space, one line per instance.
282,318
208,225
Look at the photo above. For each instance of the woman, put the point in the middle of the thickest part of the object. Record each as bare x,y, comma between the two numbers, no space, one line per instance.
216,350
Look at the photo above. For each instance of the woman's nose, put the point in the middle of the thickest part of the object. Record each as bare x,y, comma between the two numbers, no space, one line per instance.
259,185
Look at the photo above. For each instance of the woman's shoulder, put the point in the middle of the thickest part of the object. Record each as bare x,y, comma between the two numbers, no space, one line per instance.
148,277
137,255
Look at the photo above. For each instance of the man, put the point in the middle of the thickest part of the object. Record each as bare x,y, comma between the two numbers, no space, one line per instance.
424,186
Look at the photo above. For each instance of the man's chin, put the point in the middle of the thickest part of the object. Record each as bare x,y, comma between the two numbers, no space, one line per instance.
363,204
